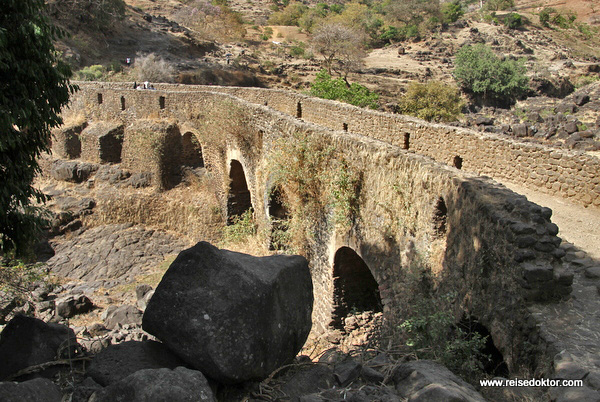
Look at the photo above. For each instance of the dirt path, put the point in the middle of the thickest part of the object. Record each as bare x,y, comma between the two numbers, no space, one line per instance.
578,225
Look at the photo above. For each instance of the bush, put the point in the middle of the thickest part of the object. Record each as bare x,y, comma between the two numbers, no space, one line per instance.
153,68
289,16
91,73
241,228
432,334
434,101
480,72
17,280
452,11
355,94
513,21
545,17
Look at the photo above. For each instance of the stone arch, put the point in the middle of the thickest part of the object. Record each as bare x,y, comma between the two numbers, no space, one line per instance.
354,286
279,216
238,199
440,213
492,360
191,151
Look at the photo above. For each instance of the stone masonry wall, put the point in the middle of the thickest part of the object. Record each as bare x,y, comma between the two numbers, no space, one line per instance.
498,251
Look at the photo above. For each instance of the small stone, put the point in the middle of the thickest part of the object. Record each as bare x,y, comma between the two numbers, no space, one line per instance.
522,229
347,371
581,99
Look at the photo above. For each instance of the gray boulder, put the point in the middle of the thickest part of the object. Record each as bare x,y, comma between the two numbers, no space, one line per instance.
36,390
72,171
118,361
233,316
152,385
27,341
122,315
73,305
425,380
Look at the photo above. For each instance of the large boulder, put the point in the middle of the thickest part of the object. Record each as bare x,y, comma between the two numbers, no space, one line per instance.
178,385
232,316
27,341
425,380
36,390
118,361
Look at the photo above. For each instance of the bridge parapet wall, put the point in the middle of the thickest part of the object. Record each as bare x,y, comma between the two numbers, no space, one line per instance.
570,174
498,251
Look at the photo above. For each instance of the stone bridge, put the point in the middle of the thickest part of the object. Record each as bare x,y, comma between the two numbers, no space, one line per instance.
416,206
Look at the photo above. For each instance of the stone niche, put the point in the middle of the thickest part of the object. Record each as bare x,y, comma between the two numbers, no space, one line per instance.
155,147
66,143
102,142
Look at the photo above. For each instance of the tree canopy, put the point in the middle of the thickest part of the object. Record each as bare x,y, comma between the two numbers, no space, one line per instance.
480,72
34,85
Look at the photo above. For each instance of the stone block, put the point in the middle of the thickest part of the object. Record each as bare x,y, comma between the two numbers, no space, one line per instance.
153,147
537,273
66,143
102,142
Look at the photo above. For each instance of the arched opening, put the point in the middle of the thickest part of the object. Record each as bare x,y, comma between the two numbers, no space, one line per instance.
406,144
491,358
439,218
457,162
238,200
345,126
191,151
122,103
279,215
354,287
299,110
161,102
99,98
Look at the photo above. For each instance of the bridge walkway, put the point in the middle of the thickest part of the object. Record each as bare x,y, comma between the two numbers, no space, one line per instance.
573,326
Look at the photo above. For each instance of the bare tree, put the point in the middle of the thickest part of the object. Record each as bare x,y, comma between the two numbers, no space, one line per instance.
342,47
153,68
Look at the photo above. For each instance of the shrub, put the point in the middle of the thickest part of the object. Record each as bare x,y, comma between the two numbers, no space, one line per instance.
241,228
432,334
433,101
17,280
480,72
498,5
91,73
289,16
153,68
355,94
513,21
545,17
452,11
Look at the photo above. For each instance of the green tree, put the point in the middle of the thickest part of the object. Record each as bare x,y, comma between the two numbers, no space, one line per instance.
452,11
34,85
480,72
